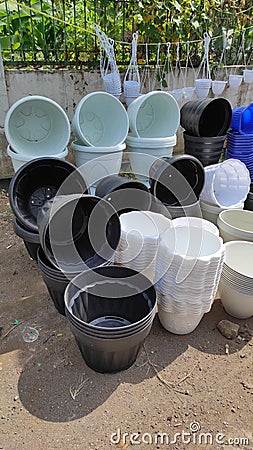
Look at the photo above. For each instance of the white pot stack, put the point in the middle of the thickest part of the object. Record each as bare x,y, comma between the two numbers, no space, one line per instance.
153,120
36,126
139,240
236,282
100,124
188,269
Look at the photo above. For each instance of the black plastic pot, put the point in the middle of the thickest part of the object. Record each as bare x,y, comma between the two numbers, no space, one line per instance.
124,194
107,310
208,117
31,239
109,355
77,232
36,182
248,204
207,150
172,212
55,281
177,181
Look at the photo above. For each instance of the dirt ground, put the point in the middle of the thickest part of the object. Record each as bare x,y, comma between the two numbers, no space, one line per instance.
197,389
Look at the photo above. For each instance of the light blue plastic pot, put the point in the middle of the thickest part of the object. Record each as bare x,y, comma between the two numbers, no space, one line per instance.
154,115
100,120
37,126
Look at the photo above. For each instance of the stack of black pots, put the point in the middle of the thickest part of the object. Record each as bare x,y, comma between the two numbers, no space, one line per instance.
73,237
206,123
34,184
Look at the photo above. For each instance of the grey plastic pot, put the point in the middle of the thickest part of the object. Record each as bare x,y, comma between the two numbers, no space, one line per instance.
208,117
31,239
78,231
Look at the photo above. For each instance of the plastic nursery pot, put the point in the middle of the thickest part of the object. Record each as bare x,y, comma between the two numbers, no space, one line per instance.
96,163
154,115
55,281
248,204
31,239
207,150
36,182
37,125
177,181
112,301
19,160
209,117
78,231
124,194
143,152
100,120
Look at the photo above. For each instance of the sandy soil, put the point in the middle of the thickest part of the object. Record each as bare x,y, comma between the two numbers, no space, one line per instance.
51,400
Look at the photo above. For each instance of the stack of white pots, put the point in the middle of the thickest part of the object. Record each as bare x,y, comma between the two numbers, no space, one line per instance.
139,239
36,126
188,269
100,124
236,283
226,186
153,120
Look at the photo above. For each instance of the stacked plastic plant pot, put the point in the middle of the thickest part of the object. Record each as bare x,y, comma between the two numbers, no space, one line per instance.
153,121
100,124
236,282
188,269
176,184
226,186
240,137
110,311
206,123
140,235
36,127
34,184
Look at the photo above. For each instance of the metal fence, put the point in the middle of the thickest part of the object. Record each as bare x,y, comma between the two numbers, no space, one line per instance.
60,33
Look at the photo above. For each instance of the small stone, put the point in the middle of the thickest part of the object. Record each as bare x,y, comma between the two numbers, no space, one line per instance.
228,329
15,398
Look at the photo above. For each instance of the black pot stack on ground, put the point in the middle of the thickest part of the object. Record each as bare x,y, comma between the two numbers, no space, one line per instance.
206,123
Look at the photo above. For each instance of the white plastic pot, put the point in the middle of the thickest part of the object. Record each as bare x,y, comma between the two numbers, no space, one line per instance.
18,160
100,119
179,323
144,151
210,212
236,303
96,163
226,184
236,225
235,80
37,126
154,115
248,76
218,86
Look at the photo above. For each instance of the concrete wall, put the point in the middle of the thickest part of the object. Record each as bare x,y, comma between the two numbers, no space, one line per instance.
67,87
